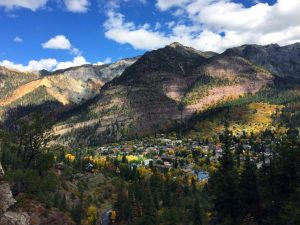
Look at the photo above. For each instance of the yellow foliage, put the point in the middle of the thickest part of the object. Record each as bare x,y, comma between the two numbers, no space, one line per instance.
130,158
91,214
113,215
70,157
98,160
254,117
143,172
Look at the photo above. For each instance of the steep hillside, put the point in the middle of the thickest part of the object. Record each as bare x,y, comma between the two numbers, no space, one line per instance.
63,87
72,85
224,77
163,84
281,61
104,73
11,79
269,108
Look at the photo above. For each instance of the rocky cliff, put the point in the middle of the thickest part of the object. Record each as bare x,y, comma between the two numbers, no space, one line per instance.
281,61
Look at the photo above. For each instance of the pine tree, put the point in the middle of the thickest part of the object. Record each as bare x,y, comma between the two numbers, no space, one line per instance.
250,199
135,209
197,213
226,181
149,210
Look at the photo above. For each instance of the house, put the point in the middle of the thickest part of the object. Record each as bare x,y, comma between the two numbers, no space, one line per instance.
167,158
147,162
89,167
202,175
59,166
187,171
162,168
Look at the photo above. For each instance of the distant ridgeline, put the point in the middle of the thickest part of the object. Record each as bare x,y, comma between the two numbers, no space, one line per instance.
160,91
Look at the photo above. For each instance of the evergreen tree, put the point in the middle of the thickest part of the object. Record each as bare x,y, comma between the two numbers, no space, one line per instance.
197,213
250,199
149,210
226,191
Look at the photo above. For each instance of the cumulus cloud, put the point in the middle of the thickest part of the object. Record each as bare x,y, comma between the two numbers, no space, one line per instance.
211,25
78,6
33,65
18,39
28,4
124,32
60,42
77,61
167,4
44,64
106,61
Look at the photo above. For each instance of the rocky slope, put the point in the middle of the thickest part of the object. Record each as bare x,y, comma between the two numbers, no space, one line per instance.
11,79
146,97
281,61
8,216
31,212
66,87
72,85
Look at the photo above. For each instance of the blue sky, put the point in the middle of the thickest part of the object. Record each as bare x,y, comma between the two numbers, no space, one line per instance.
52,34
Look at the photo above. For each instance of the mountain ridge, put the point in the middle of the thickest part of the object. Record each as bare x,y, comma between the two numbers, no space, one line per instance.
156,91
146,97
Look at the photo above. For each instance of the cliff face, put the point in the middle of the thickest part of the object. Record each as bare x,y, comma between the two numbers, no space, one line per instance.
145,98
281,61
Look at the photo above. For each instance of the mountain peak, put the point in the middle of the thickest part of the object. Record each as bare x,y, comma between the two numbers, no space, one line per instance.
176,44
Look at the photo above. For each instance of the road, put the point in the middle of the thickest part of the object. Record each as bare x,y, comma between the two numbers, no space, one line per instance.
105,218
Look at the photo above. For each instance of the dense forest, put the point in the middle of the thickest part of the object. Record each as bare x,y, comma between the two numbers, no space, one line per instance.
237,192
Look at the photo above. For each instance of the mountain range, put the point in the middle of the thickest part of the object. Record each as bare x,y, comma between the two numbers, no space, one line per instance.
149,93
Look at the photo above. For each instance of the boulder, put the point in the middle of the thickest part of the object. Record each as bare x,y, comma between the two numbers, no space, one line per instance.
6,197
14,218
7,200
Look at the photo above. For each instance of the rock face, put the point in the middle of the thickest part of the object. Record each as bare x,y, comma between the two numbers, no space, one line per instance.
145,98
33,214
281,61
8,217
14,218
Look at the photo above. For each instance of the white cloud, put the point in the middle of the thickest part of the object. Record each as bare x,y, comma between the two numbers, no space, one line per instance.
126,32
157,26
106,61
77,61
79,6
211,25
33,65
28,4
44,64
58,42
18,39
167,4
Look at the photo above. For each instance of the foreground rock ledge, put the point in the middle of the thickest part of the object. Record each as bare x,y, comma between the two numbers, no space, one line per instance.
8,217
